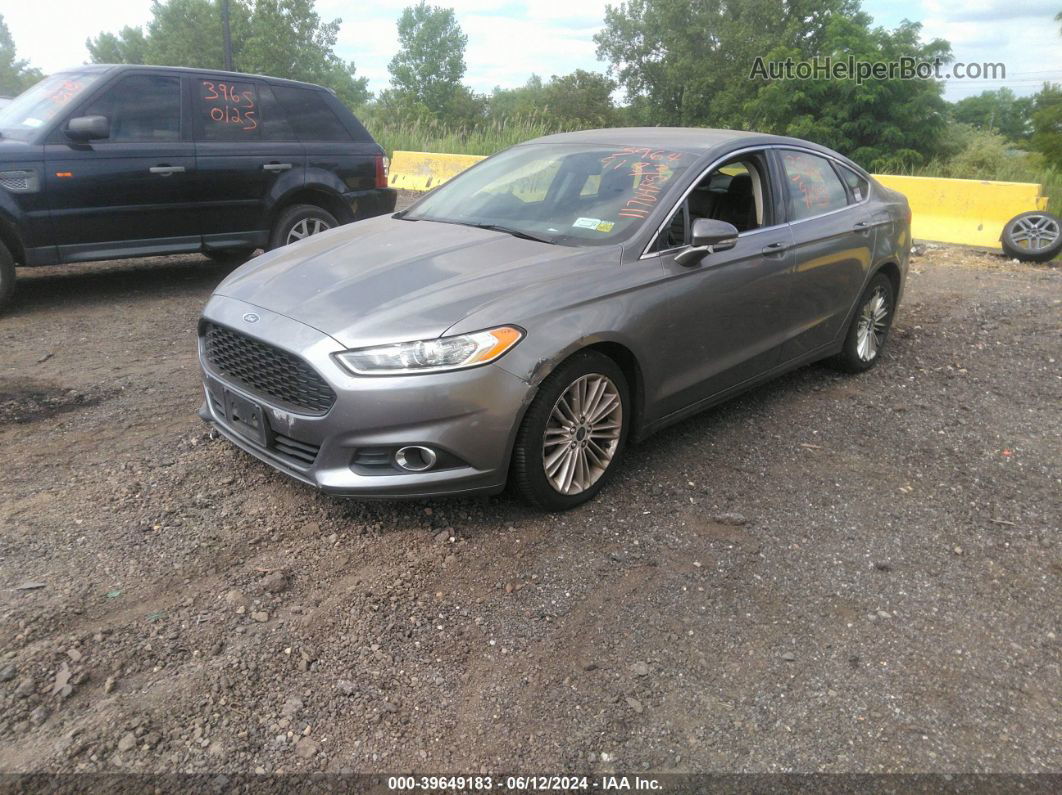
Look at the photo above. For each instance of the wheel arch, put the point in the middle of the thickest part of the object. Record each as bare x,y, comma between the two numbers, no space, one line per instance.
12,242
318,196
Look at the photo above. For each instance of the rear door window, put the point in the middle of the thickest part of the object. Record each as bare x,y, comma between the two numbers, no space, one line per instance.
140,108
813,186
309,114
227,110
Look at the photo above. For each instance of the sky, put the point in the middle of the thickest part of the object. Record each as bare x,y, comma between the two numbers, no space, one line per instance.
510,40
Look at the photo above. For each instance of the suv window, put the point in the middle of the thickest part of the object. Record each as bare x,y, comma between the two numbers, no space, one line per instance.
858,186
140,108
227,111
310,115
275,125
813,186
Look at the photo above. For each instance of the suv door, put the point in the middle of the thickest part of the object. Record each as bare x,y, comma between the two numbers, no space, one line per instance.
132,192
833,243
723,321
248,156
340,154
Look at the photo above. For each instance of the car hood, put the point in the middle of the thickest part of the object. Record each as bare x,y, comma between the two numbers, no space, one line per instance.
386,280
13,152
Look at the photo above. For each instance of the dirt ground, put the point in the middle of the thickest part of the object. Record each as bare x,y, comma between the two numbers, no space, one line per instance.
831,573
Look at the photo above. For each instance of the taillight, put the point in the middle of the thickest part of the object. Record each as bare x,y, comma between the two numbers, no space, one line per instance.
382,165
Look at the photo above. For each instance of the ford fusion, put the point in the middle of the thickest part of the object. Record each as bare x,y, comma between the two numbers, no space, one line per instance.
526,321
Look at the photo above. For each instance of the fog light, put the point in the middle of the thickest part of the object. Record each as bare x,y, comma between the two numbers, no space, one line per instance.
415,458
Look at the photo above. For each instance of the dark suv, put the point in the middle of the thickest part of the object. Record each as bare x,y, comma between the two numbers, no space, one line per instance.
101,162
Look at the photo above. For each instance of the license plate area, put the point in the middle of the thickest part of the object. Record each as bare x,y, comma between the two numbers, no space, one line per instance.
246,418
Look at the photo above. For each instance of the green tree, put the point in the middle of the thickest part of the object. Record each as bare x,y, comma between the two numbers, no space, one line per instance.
1047,124
127,46
684,63
881,124
580,99
283,38
522,102
16,75
688,63
997,111
430,62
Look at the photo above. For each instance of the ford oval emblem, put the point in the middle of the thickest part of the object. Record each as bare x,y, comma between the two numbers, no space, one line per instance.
251,317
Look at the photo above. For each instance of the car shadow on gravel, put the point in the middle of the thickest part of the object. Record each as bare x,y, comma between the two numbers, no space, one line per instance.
125,281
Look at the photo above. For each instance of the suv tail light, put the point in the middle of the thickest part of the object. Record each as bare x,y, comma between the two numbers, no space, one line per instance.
382,166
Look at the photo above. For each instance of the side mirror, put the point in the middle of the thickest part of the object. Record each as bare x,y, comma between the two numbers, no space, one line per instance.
709,236
88,128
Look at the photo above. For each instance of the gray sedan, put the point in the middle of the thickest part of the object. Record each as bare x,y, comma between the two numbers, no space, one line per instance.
528,320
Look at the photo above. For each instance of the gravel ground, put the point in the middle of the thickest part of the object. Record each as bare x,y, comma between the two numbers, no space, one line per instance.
828,574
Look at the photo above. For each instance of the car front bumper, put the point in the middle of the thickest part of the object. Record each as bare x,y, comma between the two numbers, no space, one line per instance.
468,416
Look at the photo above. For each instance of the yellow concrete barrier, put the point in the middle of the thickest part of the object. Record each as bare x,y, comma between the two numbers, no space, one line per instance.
426,170
969,212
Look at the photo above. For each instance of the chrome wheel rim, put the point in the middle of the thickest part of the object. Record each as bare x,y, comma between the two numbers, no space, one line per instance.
870,333
1035,232
582,434
307,227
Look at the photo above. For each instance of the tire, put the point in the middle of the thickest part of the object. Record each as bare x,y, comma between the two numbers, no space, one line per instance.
230,256
1034,236
288,223
7,275
862,351
590,371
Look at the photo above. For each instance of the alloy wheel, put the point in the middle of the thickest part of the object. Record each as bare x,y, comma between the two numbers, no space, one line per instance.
307,227
1035,232
582,434
873,323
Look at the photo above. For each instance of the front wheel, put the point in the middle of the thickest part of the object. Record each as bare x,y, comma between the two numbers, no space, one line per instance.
870,327
574,433
299,222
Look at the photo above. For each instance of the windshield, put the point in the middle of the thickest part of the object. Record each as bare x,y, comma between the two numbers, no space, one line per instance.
36,106
571,194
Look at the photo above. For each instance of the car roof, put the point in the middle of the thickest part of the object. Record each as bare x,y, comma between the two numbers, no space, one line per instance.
701,140
124,67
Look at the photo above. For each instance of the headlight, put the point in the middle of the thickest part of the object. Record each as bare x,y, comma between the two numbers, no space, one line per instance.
432,356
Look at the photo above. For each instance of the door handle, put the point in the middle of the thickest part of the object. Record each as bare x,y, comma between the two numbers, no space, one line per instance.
862,226
276,166
774,249
165,171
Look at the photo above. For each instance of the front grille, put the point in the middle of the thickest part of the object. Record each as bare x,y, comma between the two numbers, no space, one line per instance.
266,370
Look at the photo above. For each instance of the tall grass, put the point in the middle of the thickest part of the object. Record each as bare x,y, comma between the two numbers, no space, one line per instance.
485,138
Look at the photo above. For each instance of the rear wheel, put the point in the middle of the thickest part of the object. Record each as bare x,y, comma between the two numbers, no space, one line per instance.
299,222
870,327
574,433
7,275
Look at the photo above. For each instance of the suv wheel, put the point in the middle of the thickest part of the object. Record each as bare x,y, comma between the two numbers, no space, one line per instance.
574,433
7,275
300,221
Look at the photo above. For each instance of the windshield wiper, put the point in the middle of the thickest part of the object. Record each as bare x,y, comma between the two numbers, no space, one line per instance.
514,232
